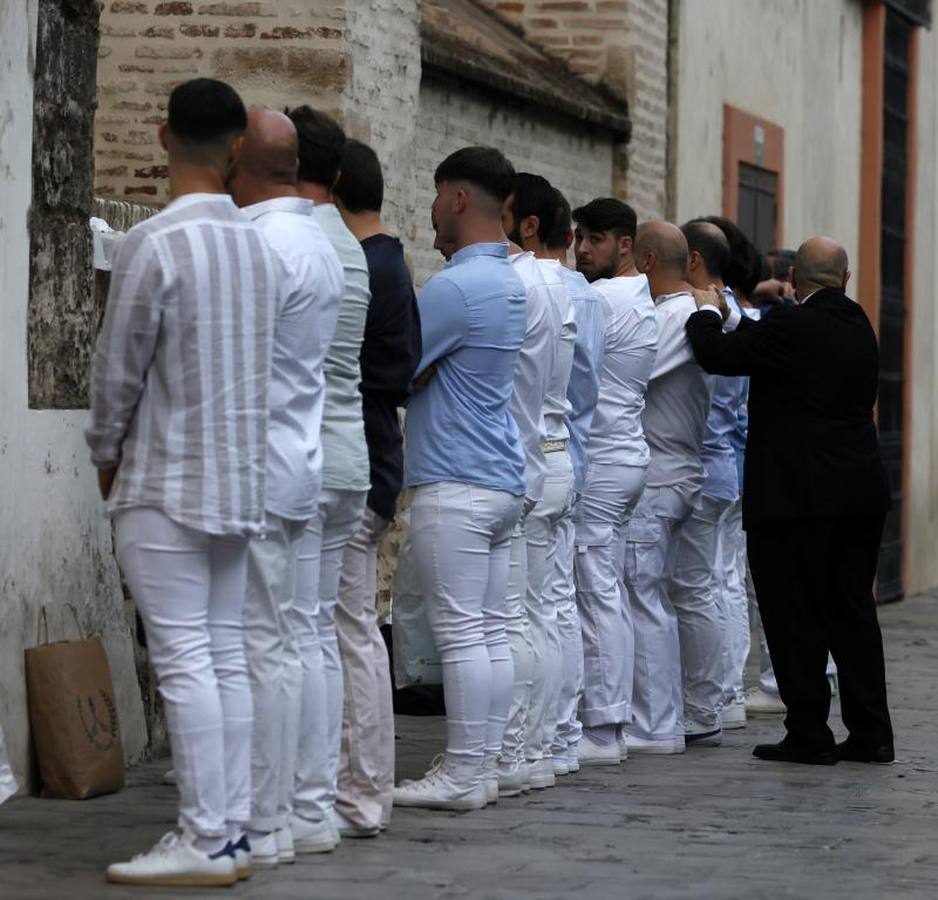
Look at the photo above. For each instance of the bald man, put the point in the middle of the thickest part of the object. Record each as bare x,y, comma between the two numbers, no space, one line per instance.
283,655
814,501
673,612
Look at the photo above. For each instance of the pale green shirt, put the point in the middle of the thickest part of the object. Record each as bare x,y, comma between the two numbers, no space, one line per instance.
345,463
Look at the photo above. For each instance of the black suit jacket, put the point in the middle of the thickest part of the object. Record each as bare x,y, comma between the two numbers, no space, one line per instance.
812,448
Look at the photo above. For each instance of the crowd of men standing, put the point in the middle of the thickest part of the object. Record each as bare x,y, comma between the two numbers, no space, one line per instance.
576,525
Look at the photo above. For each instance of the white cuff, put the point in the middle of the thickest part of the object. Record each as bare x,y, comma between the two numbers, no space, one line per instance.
732,320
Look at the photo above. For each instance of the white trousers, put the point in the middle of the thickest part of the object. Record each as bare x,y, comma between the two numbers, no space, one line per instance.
366,766
460,535
693,588
567,728
541,529
271,586
518,629
319,568
189,588
609,497
733,602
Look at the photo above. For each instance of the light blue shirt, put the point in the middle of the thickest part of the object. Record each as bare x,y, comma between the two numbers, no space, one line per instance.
719,453
583,387
472,319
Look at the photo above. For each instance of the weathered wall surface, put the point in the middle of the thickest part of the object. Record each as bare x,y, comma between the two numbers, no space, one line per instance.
274,52
811,87
575,159
622,44
921,498
55,542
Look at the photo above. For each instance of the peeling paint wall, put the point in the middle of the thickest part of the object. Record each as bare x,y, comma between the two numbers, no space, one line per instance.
55,541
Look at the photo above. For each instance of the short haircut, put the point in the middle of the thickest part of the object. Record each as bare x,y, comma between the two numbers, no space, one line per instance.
533,196
779,262
557,236
361,185
483,167
205,111
321,145
709,241
608,214
745,268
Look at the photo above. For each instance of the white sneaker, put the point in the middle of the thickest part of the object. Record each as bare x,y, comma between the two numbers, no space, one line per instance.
439,789
313,837
573,758
348,829
640,747
541,773
286,852
762,703
264,852
241,851
176,862
700,735
525,777
510,778
169,777
560,764
623,748
590,753
491,790
734,714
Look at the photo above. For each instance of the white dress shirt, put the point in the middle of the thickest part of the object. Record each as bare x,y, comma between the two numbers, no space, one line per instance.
617,436
345,466
556,405
180,374
302,334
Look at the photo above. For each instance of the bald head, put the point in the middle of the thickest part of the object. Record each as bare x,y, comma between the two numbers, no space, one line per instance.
267,164
820,263
666,244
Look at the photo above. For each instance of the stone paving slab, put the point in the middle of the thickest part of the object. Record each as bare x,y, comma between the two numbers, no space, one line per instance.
714,823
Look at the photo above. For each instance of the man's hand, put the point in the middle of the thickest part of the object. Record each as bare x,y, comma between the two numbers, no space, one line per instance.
423,379
771,292
712,296
106,480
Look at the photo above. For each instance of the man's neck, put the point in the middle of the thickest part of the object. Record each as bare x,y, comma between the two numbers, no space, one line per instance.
481,233
557,253
668,285
266,192
318,193
626,269
185,179
364,224
703,282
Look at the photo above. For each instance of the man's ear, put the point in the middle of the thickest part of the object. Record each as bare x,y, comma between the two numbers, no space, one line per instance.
530,226
164,134
694,260
847,275
570,238
625,245
460,200
234,149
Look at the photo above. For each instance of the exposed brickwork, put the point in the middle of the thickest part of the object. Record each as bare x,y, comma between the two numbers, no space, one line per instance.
622,44
275,52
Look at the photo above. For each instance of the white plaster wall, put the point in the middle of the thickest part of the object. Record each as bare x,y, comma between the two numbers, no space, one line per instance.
55,542
573,158
922,433
796,63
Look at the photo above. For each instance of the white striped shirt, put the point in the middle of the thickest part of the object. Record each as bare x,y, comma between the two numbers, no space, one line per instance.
179,380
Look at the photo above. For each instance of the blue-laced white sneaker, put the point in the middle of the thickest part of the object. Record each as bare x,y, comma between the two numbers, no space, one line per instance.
698,735
243,857
175,861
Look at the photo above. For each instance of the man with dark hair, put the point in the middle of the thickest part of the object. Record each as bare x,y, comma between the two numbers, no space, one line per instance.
815,499
263,183
581,398
465,460
618,459
389,356
709,540
604,235
671,607
345,484
529,216
178,432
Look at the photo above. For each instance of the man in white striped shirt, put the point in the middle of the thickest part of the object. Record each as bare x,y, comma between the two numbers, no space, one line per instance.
178,431
263,183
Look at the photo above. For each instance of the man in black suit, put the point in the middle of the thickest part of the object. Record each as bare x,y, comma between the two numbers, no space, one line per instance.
814,502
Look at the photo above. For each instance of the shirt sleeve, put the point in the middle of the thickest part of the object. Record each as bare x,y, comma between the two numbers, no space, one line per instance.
753,347
443,321
583,387
125,346
674,348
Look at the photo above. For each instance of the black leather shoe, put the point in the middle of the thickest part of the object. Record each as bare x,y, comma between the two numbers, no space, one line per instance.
787,752
851,751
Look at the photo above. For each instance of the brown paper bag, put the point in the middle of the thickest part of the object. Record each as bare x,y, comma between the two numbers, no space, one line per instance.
73,717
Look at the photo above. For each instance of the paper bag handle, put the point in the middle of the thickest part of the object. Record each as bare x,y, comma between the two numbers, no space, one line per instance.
42,623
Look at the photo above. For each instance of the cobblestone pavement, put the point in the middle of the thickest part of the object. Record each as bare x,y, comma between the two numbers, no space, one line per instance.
710,824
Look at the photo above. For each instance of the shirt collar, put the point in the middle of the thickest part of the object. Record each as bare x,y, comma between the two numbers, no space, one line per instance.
299,205
190,199
499,249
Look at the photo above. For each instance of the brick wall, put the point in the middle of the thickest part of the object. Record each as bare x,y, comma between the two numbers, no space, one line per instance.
576,160
274,52
622,44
